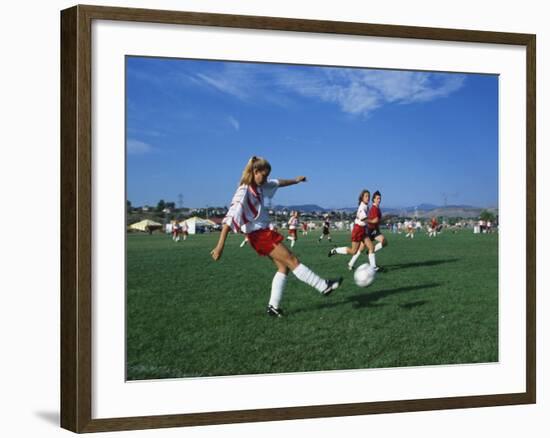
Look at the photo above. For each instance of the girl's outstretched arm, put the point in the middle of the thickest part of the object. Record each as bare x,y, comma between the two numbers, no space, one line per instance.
290,182
216,253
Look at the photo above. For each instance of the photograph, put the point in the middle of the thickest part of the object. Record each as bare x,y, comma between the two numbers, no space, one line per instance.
296,218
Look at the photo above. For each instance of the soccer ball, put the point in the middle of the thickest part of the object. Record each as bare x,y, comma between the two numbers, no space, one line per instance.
364,275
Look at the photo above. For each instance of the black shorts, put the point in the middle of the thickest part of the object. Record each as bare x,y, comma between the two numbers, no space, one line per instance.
326,230
373,233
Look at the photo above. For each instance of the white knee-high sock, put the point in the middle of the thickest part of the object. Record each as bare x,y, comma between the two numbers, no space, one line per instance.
341,250
372,260
378,247
303,273
277,289
354,258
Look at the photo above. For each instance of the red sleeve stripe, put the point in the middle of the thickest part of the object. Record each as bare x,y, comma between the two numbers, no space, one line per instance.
252,208
236,227
244,219
253,191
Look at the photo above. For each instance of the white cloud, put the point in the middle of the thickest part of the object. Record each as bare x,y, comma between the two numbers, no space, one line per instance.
358,91
234,123
227,85
136,147
355,91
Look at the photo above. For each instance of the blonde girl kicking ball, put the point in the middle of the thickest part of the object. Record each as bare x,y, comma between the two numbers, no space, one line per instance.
248,215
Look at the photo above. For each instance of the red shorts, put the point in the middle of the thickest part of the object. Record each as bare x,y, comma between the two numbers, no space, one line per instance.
293,234
263,241
358,233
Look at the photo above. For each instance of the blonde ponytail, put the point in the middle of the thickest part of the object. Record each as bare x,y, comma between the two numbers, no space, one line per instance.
255,163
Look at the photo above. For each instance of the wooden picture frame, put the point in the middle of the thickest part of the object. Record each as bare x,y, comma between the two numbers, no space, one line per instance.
76,218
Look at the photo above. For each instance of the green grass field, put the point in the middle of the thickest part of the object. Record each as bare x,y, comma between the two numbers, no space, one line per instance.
436,303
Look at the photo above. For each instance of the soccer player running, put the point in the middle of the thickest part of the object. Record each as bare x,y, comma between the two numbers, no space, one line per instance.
184,230
376,239
176,229
248,215
359,237
293,228
433,228
326,229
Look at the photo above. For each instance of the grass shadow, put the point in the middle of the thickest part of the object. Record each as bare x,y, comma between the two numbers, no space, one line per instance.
426,263
369,299
412,304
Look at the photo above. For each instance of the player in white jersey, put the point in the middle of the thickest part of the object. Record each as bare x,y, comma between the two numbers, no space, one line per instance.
248,215
359,239
184,230
410,229
293,228
176,231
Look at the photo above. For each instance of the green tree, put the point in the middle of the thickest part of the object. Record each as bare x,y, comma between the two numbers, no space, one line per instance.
486,215
161,205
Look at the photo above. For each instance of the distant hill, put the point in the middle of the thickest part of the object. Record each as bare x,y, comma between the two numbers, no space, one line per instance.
309,208
420,211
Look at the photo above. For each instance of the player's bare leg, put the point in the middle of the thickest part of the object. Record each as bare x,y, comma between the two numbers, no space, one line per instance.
381,242
282,255
343,250
352,261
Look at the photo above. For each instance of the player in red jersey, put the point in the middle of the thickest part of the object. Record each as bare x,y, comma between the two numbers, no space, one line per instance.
433,227
377,239
248,215
359,239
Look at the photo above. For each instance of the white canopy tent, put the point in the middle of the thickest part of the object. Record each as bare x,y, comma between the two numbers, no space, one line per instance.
146,225
195,223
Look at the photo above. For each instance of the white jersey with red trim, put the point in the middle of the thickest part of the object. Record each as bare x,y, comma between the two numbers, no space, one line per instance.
362,213
293,223
247,212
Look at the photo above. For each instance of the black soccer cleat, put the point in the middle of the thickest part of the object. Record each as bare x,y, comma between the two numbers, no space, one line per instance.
273,311
332,285
332,252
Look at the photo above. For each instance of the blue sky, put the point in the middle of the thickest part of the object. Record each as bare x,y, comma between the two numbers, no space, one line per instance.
418,137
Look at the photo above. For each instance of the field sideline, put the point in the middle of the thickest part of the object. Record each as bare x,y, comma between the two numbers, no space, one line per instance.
437,303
